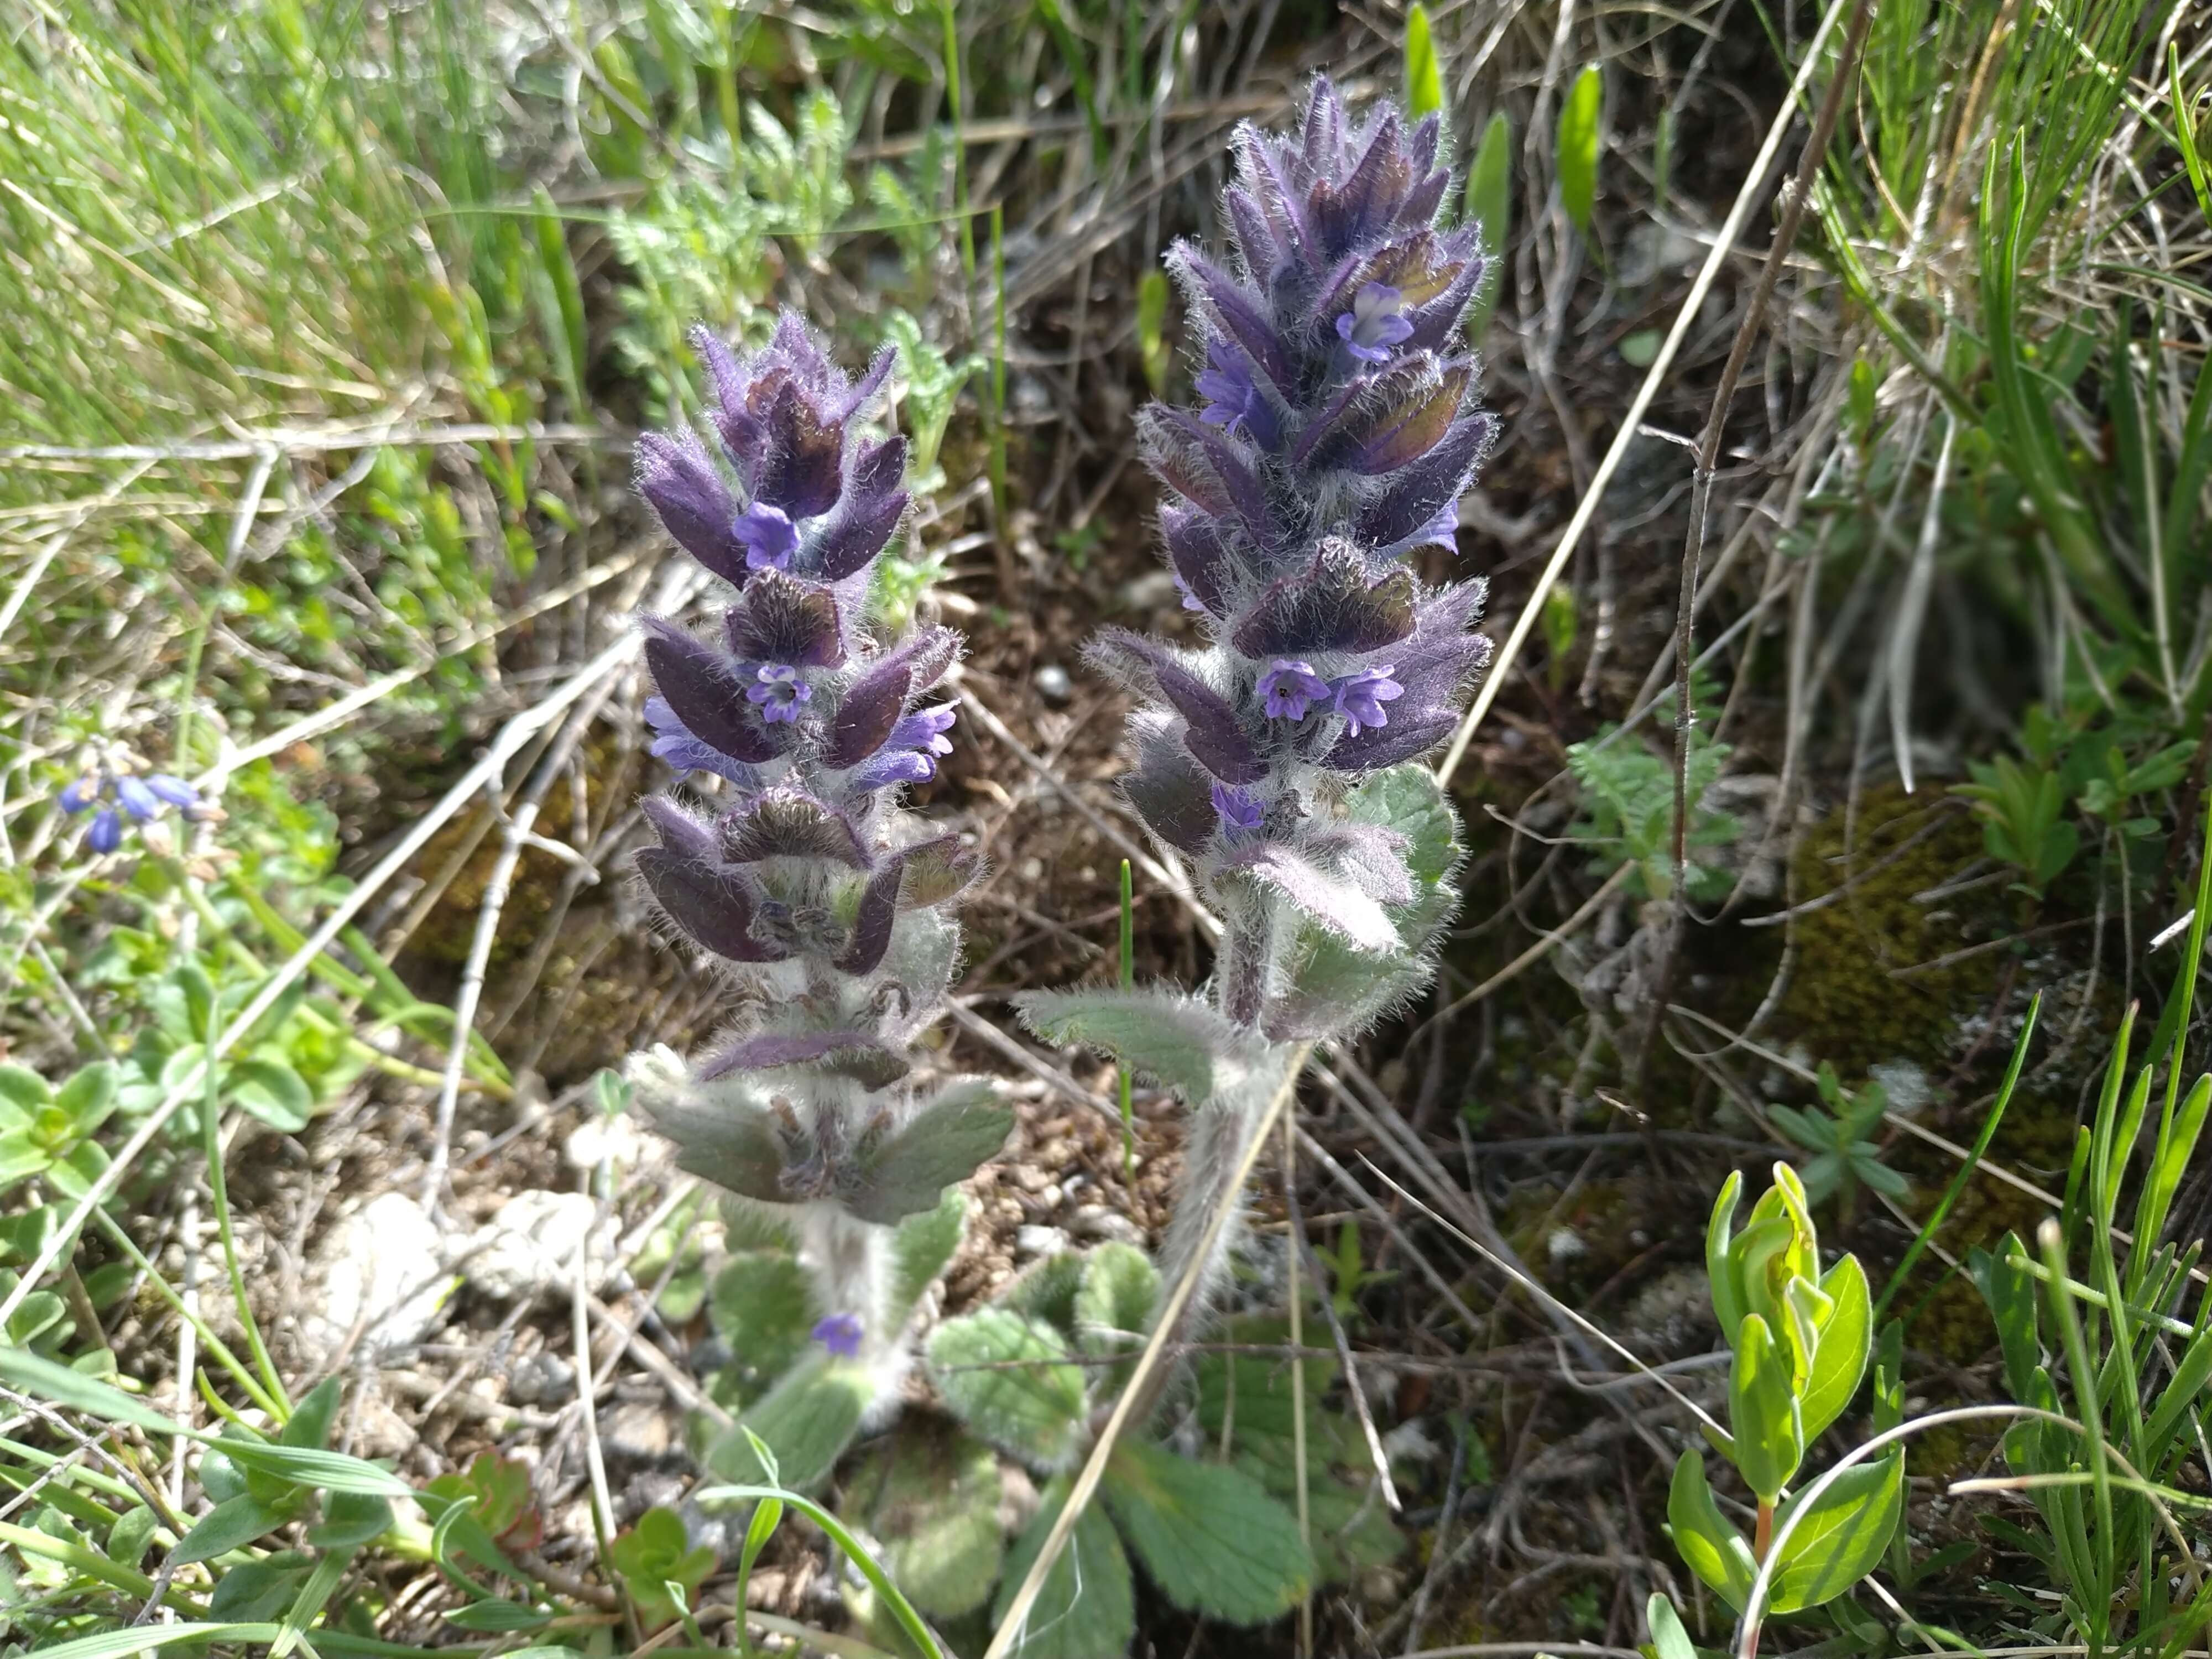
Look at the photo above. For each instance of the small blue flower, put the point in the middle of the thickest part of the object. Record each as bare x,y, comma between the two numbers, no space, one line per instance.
1360,696
1238,811
139,798
924,730
767,535
779,691
841,1334
1190,600
1374,324
1290,688
1233,399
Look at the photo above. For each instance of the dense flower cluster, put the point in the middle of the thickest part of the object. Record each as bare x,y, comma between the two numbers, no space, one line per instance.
822,898
112,796
1337,434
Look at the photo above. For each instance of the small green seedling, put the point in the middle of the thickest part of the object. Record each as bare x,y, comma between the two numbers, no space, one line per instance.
659,1567
1841,1139
1801,1341
1347,1276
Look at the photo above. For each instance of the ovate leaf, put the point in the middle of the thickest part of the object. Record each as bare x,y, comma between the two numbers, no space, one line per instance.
763,1306
1841,1537
806,1421
1713,1550
907,1172
920,1249
1165,1035
1839,1358
1211,1536
933,1495
1114,1300
1008,1378
1087,1608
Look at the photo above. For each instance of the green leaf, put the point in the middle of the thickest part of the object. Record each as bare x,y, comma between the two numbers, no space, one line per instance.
1153,351
933,1496
1408,800
497,1617
1578,146
1211,1536
806,1421
764,1308
1424,87
1046,1290
89,1097
1846,1341
140,1638
230,1525
1007,1377
21,1089
271,1091
130,1536
310,1422
1168,1036
736,1146
1115,1301
306,1466
259,1589
1840,1539
1669,1640
907,1172
350,1520
1490,191
1763,1410
922,1247
1087,1606
1713,1549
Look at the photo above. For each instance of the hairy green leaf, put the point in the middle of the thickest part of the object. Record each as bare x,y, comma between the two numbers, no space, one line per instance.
907,1172
806,1421
1007,1377
1087,1608
933,1495
1166,1034
1119,1287
1212,1537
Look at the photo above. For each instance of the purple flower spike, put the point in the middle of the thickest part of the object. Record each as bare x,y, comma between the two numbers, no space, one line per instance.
1360,697
768,537
75,797
1290,688
841,1334
779,691
107,832
1236,810
1374,324
1233,402
173,790
136,798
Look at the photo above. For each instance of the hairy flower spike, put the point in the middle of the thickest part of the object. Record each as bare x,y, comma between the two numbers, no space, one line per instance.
820,897
1337,431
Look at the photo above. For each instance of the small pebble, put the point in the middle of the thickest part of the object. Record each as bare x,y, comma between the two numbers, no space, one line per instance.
1097,1221
543,1378
1035,1241
1053,683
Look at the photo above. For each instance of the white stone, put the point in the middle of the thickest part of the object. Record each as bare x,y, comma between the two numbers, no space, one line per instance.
382,1266
529,1249
1034,1240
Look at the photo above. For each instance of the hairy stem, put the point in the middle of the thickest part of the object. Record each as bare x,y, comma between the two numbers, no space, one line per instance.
1240,967
1220,1134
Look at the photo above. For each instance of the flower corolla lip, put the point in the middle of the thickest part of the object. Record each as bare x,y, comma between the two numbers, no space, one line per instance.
1290,687
778,690
1238,811
841,1334
1374,323
1360,697
768,536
